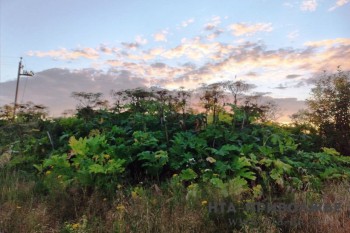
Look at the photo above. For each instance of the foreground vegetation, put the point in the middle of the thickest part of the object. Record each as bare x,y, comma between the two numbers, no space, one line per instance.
151,164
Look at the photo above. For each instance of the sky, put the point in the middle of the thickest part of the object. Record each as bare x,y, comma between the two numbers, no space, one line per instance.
279,46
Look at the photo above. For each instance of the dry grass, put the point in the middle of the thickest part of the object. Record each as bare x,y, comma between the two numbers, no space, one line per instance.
151,210
332,222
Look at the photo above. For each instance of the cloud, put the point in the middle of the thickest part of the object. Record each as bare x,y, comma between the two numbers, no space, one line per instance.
108,50
214,22
161,36
328,54
158,65
194,49
288,106
249,29
299,84
187,22
339,3
214,60
281,86
252,74
132,46
53,87
292,76
308,5
215,34
140,40
272,64
329,43
197,60
64,54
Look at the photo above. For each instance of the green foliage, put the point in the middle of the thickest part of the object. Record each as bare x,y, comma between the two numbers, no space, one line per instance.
91,162
153,161
241,166
329,110
150,137
143,139
233,187
188,174
217,155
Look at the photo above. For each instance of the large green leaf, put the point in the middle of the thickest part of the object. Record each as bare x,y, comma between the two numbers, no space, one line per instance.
96,168
188,174
79,147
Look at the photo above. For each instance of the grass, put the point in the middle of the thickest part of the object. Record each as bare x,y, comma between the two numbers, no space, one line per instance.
27,207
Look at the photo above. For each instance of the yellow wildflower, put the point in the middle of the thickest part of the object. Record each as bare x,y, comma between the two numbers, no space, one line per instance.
175,175
48,172
134,195
204,202
120,207
76,225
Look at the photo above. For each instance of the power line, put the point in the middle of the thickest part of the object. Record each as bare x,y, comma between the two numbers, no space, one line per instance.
9,56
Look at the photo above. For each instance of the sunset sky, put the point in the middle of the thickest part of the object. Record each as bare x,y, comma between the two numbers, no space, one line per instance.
280,46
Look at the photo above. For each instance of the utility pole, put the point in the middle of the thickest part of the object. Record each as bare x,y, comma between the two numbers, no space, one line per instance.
19,73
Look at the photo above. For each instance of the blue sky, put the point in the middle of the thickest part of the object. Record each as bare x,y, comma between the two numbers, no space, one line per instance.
276,45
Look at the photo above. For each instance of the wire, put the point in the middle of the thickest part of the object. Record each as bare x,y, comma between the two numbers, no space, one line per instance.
9,56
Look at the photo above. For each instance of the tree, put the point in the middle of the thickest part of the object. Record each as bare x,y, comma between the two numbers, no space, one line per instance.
87,99
120,100
301,117
330,110
237,88
87,102
138,99
270,112
182,100
211,97
27,112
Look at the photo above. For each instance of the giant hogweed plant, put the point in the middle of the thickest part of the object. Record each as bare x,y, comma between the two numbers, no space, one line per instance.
91,162
258,157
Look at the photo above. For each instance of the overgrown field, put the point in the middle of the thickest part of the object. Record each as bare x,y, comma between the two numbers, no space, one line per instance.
151,166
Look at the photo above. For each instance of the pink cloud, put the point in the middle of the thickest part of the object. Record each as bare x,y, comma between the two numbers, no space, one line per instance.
64,54
161,36
339,3
249,29
309,5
